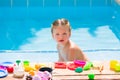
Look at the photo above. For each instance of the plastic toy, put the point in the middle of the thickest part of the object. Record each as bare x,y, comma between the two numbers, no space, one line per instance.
37,66
42,76
61,65
91,76
112,64
18,62
3,71
18,70
32,72
10,69
46,69
87,66
79,70
117,67
71,66
79,63
8,66
26,63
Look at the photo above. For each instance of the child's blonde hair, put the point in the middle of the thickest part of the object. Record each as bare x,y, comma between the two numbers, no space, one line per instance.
61,22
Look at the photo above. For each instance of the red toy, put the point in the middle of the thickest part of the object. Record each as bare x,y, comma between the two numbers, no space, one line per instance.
71,66
60,65
10,69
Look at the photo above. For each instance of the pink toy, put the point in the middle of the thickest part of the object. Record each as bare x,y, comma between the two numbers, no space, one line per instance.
42,76
79,63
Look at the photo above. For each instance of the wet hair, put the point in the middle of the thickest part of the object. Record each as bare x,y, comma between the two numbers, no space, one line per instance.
60,22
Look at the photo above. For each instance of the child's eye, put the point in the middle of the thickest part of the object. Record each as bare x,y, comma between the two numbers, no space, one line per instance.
64,33
57,34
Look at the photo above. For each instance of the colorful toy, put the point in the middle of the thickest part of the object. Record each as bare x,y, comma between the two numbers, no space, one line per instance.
18,70
87,66
61,65
91,76
9,66
71,66
79,70
32,72
42,76
10,69
117,67
18,62
26,63
28,68
79,63
3,71
37,66
112,64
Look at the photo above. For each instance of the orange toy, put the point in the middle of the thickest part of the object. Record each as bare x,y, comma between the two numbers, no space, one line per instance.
31,72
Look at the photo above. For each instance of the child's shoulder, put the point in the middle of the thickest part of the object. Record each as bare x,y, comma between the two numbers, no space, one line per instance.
74,48
74,45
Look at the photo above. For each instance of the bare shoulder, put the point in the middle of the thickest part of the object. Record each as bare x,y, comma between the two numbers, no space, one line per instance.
76,51
74,47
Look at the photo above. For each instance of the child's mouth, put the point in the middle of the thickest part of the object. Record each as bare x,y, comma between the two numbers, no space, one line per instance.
61,40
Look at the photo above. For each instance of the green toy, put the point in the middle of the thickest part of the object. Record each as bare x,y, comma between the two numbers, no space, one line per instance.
79,70
91,76
117,67
18,62
87,66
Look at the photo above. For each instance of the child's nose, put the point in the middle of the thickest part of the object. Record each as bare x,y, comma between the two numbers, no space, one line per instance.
61,36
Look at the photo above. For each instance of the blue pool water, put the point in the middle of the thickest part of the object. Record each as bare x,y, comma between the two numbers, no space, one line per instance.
26,31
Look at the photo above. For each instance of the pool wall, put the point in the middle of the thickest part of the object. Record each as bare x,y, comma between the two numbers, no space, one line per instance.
54,3
38,10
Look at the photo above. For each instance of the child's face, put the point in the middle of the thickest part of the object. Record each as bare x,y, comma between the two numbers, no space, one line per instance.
61,35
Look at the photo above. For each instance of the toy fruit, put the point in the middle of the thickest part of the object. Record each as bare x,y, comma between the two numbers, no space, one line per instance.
117,67
91,76
87,66
31,72
10,69
37,66
27,68
112,64
79,70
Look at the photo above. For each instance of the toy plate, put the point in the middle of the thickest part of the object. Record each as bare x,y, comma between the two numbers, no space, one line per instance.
6,64
3,73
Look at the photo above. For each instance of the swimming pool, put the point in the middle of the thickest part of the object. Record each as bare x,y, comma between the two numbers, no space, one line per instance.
25,29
